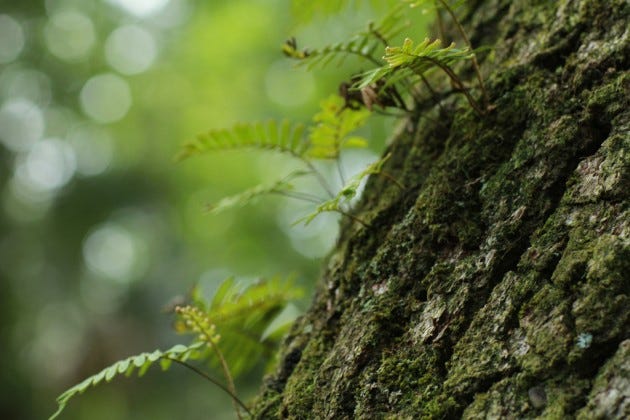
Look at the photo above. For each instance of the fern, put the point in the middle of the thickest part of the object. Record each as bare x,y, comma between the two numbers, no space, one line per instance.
364,44
329,134
140,363
241,316
449,7
281,187
283,137
334,123
236,319
419,59
346,194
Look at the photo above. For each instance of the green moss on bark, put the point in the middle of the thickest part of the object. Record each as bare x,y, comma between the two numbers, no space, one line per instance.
496,285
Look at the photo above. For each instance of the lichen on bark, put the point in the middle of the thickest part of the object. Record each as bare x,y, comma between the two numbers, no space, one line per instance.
495,285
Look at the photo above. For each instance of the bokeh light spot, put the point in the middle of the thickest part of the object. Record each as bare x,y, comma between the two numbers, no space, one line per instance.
59,333
105,98
21,124
111,252
49,165
17,82
11,39
130,49
140,8
93,148
70,35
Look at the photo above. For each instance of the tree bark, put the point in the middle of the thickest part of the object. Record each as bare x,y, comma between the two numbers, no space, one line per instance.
497,283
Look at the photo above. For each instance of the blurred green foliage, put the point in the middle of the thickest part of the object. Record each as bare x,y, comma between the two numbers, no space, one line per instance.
99,228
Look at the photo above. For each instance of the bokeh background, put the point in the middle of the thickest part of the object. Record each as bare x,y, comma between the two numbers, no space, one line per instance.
100,228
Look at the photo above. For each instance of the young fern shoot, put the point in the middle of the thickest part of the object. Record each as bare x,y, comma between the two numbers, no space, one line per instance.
473,57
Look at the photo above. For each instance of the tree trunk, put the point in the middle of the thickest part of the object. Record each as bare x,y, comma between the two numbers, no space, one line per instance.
497,283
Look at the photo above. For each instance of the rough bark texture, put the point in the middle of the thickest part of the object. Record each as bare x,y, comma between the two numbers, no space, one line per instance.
497,284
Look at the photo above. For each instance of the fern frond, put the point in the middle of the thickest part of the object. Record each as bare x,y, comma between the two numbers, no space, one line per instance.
364,44
283,137
241,316
282,186
346,194
140,363
334,124
416,58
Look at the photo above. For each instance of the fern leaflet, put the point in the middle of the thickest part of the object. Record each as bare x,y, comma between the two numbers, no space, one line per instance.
283,137
364,44
419,59
141,362
240,316
346,194
282,187
334,123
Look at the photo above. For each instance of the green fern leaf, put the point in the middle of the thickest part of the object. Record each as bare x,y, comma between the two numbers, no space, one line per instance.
364,44
346,194
241,315
250,195
415,58
140,362
283,137
334,123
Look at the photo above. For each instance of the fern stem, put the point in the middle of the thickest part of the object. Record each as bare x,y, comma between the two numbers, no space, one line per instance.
378,35
212,380
389,177
440,23
351,216
224,367
320,178
473,58
433,93
458,84
342,178
300,196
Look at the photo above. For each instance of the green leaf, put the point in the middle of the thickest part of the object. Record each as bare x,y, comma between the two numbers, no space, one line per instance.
126,366
334,123
241,315
346,194
417,58
364,44
284,138
252,194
